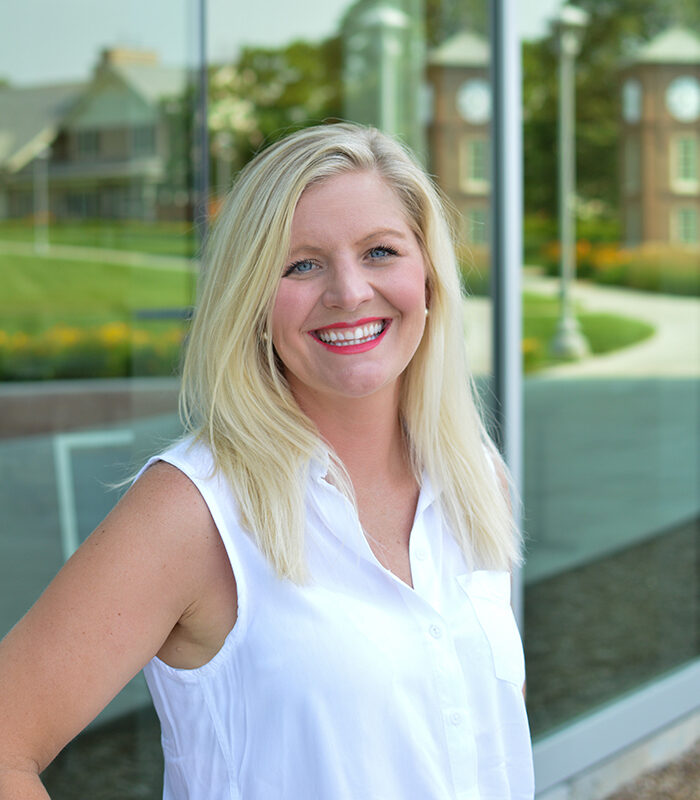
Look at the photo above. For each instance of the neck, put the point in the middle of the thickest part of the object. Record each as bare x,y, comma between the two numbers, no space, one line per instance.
365,433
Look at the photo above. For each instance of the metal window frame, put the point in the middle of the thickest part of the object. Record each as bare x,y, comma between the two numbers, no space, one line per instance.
507,250
603,733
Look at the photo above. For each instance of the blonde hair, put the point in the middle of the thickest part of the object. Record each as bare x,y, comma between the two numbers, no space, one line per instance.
235,398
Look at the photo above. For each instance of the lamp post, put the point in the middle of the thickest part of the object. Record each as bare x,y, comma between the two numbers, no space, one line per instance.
568,29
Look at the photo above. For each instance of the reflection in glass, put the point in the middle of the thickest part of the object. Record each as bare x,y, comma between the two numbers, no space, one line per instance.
96,249
612,468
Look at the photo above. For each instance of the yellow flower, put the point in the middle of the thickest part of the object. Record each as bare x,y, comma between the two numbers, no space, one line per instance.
19,340
114,333
530,345
139,337
63,336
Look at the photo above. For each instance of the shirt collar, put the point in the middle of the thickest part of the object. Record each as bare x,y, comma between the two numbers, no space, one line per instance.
428,494
319,464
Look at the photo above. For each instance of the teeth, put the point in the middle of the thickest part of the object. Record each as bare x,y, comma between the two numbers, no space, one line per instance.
346,336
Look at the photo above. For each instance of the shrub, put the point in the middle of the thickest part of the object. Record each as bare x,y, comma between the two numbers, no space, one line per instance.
654,268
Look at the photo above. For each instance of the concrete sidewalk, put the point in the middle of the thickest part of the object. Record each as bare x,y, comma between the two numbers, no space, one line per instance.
673,350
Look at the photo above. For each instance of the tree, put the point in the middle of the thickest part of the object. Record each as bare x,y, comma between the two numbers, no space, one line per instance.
268,92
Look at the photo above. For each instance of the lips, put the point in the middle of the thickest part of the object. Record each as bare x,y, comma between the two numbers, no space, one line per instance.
353,337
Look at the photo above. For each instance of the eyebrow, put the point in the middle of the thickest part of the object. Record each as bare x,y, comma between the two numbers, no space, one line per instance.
383,232
310,248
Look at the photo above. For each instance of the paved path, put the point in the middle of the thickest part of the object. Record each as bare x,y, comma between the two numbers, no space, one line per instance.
673,350
80,253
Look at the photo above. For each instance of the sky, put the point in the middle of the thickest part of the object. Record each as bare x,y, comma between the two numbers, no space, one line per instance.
45,41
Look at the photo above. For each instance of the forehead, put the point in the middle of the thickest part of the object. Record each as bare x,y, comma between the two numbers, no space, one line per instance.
357,198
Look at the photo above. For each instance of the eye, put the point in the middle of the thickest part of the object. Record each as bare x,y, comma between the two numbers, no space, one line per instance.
382,251
299,268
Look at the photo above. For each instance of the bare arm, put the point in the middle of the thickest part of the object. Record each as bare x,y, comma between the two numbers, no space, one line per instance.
107,612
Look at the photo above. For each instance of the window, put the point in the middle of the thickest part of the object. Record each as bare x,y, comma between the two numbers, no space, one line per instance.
686,228
97,316
88,144
478,227
143,140
474,165
684,164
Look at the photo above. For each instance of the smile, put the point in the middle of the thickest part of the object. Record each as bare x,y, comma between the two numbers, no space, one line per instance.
352,338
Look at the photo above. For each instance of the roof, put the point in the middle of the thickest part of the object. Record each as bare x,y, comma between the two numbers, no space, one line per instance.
152,82
673,46
30,119
464,49
30,116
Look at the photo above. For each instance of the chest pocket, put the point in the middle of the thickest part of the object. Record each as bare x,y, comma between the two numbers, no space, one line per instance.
489,593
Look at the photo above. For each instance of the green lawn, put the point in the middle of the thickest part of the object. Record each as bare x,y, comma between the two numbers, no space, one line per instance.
39,292
605,332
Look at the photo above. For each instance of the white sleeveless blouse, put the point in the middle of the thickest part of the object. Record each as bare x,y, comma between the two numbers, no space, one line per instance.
354,686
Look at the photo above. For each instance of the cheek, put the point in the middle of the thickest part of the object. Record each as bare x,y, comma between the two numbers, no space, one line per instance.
286,311
411,295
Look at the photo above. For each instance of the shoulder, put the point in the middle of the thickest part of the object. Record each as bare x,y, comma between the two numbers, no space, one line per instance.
168,508
164,487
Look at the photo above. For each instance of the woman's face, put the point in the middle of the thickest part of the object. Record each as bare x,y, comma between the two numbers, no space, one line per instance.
350,308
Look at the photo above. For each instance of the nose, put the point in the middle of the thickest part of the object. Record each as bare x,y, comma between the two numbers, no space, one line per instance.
348,285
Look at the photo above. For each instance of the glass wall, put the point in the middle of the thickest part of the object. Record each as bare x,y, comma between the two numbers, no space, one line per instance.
96,263
98,244
612,392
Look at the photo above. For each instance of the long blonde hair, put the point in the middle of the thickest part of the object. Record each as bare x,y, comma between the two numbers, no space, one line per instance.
235,398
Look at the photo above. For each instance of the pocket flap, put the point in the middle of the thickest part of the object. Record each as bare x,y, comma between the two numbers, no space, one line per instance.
488,584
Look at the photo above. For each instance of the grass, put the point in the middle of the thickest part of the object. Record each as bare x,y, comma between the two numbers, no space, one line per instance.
604,332
39,292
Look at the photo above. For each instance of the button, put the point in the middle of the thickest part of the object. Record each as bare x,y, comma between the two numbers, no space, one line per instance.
435,631
421,555
456,718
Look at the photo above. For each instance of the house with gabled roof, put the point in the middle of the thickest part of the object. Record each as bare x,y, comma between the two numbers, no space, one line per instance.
102,148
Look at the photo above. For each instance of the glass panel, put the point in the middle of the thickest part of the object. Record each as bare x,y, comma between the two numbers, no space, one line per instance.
96,242
96,245
612,356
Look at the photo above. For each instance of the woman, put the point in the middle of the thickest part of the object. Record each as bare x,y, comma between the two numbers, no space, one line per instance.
317,576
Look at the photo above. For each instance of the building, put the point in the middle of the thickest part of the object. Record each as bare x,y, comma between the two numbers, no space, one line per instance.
99,149
459,129
660,141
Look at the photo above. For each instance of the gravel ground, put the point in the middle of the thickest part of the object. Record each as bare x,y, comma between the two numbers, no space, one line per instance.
679,780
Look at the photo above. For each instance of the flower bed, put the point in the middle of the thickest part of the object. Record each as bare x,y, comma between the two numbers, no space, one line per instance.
653,268
111,350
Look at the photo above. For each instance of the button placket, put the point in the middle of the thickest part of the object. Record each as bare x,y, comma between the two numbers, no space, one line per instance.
459,733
